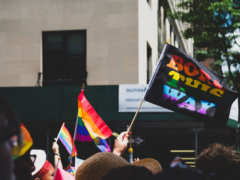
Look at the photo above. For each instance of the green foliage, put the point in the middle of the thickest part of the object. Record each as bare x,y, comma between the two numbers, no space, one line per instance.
213,24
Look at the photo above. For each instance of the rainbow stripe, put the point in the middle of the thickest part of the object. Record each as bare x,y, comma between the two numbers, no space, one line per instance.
94,125
66,139
102,145
27,143
82,132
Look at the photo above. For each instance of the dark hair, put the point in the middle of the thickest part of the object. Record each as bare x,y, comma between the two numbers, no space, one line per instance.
24,167
129,173
221,160
178,173
9,125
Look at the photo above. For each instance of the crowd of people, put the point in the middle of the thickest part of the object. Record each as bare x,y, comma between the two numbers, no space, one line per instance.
216,162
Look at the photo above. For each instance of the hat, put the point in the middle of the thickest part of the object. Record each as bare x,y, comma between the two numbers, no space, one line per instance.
98,165
40,159
151,164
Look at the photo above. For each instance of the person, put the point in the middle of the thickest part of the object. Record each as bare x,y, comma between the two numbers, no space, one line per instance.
9,133
98,165
57,157
151,164
178,173
24,167
45,173
43,168
120,143
220,160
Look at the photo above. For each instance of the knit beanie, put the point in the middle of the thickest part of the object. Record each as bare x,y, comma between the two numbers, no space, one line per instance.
151,164
98,165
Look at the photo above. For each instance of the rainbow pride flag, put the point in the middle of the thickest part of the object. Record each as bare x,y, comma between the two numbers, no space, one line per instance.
66,139
94,124
27,142
82,132
90,125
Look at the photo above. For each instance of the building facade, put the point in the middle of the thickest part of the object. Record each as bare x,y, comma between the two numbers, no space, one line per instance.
102,42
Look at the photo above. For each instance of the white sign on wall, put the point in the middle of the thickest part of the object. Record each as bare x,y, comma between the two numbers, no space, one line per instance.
130,96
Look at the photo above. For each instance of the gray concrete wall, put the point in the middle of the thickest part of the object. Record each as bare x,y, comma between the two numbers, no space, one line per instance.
112,38
148,33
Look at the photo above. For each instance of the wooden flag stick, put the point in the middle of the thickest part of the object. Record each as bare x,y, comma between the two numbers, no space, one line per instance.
74,138
56,139
134,118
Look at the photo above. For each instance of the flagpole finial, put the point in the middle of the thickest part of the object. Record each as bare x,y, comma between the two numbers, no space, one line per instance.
83,86
167,42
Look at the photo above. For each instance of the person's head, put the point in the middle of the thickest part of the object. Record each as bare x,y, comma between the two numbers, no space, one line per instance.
129,173
220,160
151,164
9,131
43,168
24,167
99,164
179,173
45,173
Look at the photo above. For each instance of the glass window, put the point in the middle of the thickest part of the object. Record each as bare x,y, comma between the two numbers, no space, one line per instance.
149,62
64,57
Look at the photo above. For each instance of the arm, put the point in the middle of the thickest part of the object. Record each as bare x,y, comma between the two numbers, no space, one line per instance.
57,157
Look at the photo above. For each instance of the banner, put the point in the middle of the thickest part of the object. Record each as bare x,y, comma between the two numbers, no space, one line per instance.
233,116
184,85
130,96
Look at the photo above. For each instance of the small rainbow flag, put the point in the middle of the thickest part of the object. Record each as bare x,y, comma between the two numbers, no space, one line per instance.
90,124
27,142
66,139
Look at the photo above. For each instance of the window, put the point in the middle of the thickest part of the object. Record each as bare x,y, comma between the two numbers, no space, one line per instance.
64,57
149,2
149,62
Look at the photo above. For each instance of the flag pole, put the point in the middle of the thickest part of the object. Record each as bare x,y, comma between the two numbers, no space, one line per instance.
74,138
56,139
130,150
134,118
74,135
